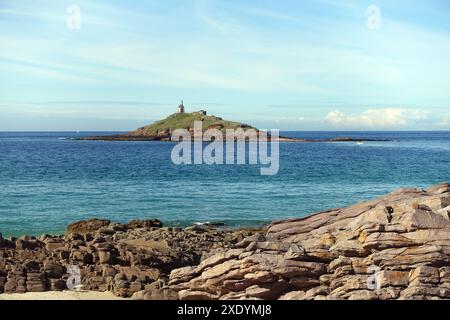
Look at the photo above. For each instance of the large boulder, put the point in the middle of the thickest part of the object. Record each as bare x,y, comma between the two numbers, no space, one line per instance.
393,247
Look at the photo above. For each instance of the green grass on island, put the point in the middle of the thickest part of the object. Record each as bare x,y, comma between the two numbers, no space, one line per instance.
186,121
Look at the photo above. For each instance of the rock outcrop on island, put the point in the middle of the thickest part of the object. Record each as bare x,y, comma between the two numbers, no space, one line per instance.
393,247
162,130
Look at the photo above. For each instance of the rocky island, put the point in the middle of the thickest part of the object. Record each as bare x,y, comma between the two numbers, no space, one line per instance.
162,130
393,247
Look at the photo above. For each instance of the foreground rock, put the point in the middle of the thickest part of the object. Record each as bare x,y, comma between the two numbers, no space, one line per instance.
394,247
99,255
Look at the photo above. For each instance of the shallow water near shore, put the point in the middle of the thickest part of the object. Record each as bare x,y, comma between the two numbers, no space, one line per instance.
48,180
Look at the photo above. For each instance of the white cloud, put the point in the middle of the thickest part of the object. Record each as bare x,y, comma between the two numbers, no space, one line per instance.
444,122
390,117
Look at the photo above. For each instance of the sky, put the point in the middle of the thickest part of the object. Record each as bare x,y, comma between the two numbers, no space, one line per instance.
276,64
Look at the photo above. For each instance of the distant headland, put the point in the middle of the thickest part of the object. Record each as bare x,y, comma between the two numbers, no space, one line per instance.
162,130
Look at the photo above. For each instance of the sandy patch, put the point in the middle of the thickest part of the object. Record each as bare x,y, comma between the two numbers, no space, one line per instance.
60,295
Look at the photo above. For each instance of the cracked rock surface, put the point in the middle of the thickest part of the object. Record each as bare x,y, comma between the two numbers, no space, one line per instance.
102,256
393,247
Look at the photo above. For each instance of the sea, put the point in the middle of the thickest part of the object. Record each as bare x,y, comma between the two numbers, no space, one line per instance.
51,179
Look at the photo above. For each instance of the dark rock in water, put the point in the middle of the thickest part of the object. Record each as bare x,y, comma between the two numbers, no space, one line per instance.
134,224
87,226
215,224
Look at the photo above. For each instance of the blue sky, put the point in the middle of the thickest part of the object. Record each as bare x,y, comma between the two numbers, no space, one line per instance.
286,64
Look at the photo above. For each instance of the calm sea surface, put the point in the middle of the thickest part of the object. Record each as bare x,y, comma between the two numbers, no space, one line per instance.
48,180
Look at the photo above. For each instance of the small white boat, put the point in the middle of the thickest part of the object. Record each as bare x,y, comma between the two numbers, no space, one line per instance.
360,142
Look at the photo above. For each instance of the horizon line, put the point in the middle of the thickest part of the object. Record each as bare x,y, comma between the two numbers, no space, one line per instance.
112,131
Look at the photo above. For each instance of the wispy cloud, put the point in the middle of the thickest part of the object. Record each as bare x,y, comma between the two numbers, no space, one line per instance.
444,122
94,109
376,118
103,103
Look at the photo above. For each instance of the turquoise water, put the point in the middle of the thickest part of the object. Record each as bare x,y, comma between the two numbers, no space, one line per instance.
48,180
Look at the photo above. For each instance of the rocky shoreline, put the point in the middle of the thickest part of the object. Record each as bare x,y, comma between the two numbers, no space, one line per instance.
393,247
167,138
121,258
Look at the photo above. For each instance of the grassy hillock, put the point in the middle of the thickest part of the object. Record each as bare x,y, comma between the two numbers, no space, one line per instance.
186,121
